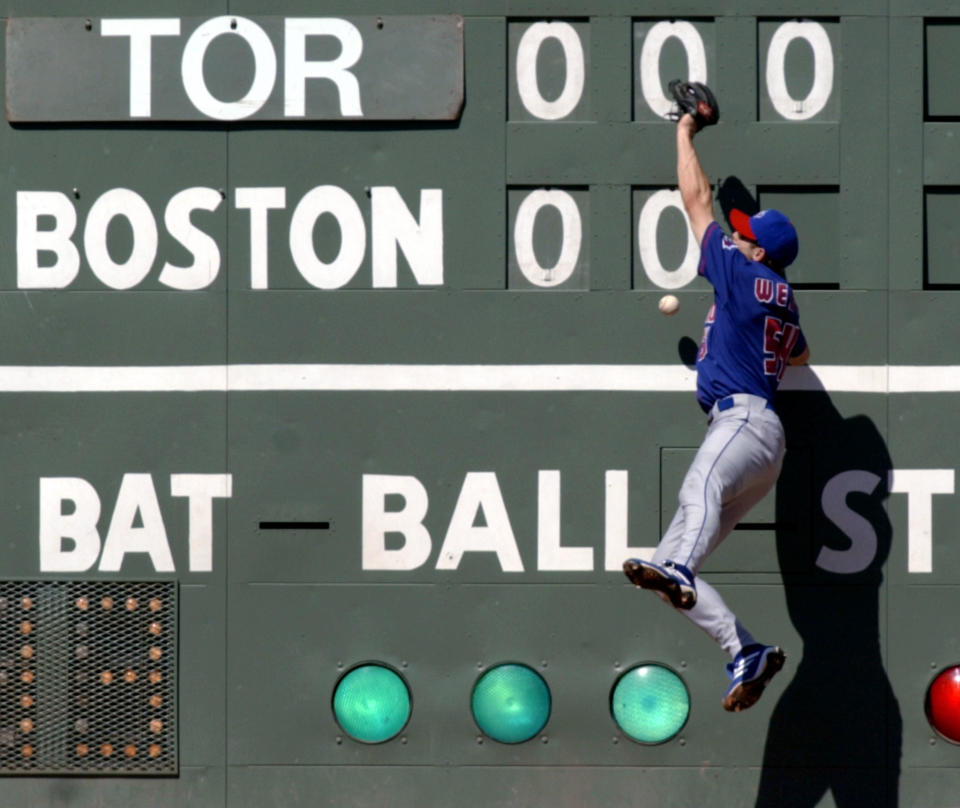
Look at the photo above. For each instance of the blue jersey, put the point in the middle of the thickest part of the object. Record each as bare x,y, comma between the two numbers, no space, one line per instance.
752,328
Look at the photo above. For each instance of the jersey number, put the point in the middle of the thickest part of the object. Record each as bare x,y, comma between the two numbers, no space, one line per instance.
779,340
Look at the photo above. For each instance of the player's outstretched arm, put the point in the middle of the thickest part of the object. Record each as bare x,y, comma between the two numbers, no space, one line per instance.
800,359
693,182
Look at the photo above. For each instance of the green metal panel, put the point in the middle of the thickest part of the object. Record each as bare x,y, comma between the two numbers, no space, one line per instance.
196,785
813,211
943,256
941,45
906,154
863,213
940,153
611,48
168,8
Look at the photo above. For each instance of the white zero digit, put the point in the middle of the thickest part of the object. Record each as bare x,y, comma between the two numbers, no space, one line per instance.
650,214
650,81
523,237
527,84
800,109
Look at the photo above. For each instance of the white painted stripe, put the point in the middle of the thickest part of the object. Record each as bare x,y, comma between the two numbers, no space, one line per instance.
924,379
452,378
81,379
838,378
466,378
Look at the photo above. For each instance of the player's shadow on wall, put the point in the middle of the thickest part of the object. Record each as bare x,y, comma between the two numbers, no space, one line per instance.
732,194
837,726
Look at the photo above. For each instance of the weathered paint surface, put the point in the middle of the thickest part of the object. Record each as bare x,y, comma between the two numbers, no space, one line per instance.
442,339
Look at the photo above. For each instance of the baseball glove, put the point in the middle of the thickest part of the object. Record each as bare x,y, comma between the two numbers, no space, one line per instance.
696,99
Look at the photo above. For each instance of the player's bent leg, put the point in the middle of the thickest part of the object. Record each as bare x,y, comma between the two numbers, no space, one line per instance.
702,492
753,665
712,615
671,545
661,575
715,496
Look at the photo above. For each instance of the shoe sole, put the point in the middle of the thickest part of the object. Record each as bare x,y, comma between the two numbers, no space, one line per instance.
746,694
651,578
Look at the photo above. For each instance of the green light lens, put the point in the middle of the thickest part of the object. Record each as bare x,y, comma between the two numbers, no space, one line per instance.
650,703
511,703
371,703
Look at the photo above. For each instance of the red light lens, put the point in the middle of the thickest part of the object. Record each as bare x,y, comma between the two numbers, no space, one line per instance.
943,704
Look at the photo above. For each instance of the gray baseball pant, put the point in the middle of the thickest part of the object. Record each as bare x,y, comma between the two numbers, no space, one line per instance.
737,464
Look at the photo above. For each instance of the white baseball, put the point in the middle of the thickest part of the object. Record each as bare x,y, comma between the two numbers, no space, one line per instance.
668,304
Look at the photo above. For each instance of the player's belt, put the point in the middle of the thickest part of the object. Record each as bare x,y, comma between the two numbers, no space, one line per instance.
728,402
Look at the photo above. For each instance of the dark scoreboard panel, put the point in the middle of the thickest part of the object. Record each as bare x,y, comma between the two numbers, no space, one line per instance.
334,392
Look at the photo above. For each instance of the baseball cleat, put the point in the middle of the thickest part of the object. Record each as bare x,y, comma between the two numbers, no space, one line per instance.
750,672
671,580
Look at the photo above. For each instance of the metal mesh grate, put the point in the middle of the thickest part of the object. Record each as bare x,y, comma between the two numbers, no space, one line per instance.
88,677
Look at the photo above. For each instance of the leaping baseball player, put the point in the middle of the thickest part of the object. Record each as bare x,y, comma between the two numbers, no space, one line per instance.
752,333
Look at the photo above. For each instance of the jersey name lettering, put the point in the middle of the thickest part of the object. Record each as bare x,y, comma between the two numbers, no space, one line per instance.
763,291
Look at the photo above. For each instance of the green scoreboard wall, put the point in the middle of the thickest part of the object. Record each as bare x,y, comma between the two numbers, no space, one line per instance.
330,340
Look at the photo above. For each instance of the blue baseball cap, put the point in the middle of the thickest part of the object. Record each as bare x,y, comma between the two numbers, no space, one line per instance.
771,230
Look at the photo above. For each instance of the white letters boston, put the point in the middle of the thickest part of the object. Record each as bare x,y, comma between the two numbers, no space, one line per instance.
50,237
